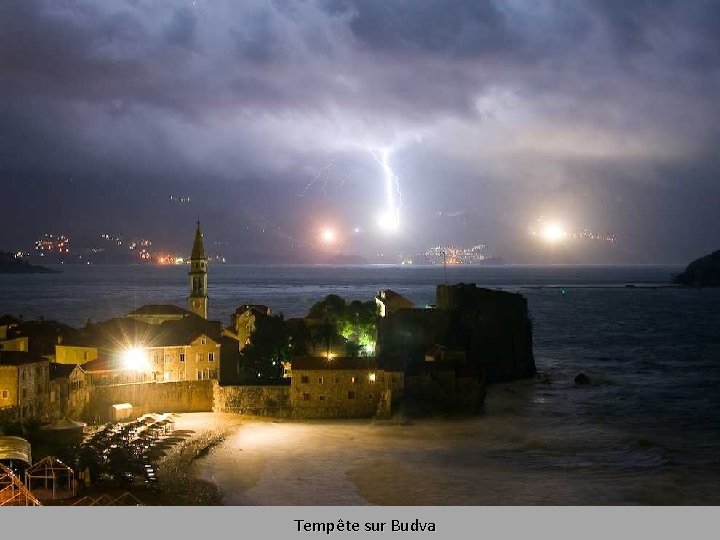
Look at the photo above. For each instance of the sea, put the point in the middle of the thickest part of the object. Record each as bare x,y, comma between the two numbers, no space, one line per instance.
646,430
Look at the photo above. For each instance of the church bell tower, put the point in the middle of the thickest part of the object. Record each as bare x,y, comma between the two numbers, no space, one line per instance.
198,300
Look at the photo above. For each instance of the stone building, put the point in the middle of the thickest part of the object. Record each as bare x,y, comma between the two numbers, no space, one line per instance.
19,343
186,350
37,337
75,352
128,350
490,329
389,302
175,350
343,387
68,389
105,338
244,322
24,384
492,326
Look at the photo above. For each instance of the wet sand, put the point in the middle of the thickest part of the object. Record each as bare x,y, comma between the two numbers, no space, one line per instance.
179,482
427,462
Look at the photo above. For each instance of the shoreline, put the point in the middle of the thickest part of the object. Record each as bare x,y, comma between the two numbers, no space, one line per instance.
180,484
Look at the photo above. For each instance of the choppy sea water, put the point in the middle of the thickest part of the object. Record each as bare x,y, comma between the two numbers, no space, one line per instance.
646,431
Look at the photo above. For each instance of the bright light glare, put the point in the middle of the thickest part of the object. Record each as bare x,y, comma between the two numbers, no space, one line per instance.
134,359
554,232
328,236
389,221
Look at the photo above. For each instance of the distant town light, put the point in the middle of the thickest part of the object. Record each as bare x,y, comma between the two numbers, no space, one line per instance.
134,359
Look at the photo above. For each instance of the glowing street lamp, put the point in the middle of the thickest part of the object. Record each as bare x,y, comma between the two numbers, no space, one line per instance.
134,359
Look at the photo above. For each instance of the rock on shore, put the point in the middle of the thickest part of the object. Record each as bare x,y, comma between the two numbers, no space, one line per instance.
702,272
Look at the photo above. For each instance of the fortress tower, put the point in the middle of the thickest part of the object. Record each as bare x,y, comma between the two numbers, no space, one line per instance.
198,300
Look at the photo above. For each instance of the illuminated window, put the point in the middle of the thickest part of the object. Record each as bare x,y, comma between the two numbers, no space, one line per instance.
351,394
371,377
304,379
353,380
306,397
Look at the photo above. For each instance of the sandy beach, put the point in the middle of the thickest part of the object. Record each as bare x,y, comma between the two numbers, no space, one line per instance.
499,458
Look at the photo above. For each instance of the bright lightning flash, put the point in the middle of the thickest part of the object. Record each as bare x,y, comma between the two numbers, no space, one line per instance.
389,220
553,233
328,236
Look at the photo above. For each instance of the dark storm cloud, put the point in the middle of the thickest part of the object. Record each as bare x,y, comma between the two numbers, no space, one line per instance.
467,28
509,102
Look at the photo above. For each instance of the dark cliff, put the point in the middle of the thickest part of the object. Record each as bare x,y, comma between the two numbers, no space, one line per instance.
703,272
9,264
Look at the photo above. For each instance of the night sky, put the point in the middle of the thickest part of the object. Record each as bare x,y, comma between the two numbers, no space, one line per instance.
273,116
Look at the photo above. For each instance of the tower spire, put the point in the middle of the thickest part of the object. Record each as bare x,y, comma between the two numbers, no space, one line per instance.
198,250
198,299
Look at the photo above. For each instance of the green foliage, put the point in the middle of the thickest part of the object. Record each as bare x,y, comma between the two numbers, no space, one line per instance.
269,347
355,321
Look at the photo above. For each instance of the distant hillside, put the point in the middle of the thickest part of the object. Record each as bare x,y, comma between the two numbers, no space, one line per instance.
11,265
703,272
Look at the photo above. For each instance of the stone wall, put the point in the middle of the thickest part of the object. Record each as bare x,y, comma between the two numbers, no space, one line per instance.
443,392
185,396
257,400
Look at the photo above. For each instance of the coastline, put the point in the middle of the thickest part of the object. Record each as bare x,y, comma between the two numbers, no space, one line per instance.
501,457
179,481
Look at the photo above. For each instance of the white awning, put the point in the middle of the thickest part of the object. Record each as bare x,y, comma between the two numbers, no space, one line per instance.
15,448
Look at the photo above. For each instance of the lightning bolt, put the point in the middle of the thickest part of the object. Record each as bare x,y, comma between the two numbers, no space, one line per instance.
390,220
323,179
